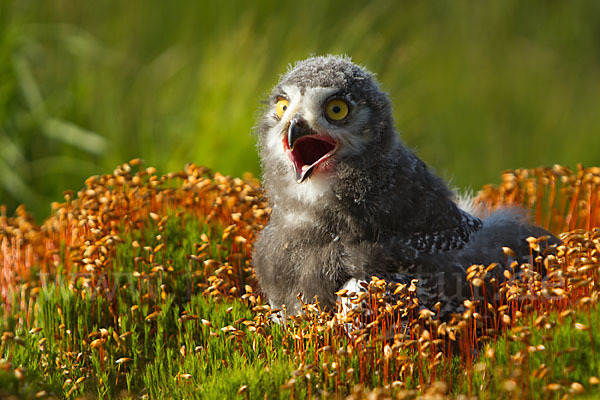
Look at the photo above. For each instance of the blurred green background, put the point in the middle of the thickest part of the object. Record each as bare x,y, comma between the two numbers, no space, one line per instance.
478,87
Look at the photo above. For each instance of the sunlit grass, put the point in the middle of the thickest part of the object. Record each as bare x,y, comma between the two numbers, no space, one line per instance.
141,285
478,87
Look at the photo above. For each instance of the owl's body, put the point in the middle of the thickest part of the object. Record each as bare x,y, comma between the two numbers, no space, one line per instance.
350,201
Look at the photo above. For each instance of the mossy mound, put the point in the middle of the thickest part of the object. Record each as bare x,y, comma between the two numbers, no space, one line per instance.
142,285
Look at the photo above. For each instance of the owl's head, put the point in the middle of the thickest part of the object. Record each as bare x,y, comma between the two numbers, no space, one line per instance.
322,111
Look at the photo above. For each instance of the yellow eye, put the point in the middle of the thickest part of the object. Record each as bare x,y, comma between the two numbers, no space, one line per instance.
281,106
337,109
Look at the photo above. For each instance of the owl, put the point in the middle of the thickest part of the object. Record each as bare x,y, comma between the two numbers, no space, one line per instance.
350,200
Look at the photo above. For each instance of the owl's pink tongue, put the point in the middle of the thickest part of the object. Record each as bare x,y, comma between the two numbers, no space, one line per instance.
308,153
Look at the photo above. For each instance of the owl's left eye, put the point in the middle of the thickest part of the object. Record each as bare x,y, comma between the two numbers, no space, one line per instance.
337,109
281,106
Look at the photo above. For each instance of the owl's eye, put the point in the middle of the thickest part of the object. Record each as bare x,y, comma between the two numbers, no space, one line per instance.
281,106
336,109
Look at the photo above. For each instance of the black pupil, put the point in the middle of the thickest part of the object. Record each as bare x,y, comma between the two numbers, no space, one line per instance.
336,109
284,107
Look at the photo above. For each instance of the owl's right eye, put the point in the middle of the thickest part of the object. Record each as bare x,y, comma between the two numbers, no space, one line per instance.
281,106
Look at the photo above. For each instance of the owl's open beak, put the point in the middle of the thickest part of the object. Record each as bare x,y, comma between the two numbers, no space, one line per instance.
306,149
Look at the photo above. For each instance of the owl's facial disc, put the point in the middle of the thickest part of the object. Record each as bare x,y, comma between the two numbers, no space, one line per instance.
306,149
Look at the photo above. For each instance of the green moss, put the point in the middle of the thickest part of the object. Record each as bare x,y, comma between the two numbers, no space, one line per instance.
113,338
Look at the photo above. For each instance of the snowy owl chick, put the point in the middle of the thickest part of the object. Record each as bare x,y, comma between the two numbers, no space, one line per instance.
350,201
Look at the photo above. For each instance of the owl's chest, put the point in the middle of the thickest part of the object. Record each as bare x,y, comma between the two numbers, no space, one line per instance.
326,246
310,252
291,261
